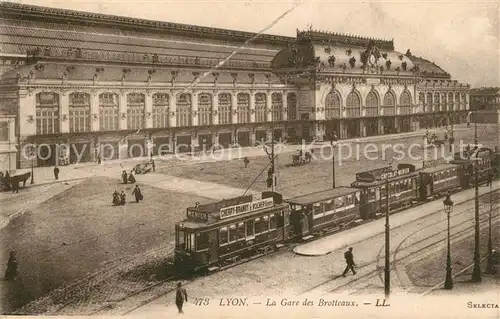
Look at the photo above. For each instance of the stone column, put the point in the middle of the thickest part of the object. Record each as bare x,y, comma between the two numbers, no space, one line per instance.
215,109
269,107
194,109
122,111
362,128
284,115
94,112
172,119
252,109
64,112
148,110
234,107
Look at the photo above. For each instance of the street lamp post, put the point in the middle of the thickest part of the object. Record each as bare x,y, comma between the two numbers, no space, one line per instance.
489,266
476,271
387,271
334,144
448,207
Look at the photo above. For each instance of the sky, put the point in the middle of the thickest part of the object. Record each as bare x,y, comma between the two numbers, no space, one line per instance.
462,37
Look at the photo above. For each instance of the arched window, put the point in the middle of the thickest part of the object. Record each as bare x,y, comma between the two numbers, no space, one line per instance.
47,113
204,109
183,109
109,107
389,103
291,103
136,104
429,102
437,102
353,105
450,101
79,112
243,107
260,107
405,103
161,109
225,107
421,101
372,104
457,101
277,107
332,105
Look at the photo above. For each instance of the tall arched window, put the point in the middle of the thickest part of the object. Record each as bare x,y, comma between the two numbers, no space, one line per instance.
243,107
260,107
161,109
444,102
136,104
183,112
405,103
225,108
332,105
47,113
204,109
421,101
457,101
79,112
450,101
109,108
291,104
372,104
353,105
437,102
429,103
277,106
389,103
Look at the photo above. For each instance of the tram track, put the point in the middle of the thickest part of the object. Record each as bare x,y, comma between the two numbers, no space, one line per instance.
376,262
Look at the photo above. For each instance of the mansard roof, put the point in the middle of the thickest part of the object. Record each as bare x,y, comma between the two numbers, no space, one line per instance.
428,68
39,13
485,91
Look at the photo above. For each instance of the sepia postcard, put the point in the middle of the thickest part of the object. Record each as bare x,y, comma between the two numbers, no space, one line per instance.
247,159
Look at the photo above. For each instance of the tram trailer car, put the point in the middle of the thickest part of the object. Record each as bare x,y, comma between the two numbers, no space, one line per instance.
438,178
316,212
217,233
483,159
403,189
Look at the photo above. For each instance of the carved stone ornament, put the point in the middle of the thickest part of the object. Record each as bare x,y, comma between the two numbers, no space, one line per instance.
95,117
172,114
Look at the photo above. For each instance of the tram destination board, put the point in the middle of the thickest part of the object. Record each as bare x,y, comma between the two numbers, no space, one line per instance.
231,211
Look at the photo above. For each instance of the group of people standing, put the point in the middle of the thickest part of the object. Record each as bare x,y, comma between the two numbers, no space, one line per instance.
128,178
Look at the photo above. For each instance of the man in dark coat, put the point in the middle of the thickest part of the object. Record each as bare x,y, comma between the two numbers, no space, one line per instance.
349,259
124,177
180,297
11,272
153,164
131,178
246,161
56,173
123,198
137,193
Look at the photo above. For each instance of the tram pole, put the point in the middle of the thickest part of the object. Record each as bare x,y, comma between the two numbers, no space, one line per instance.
272,152
387,272
334,143
489,266
476,272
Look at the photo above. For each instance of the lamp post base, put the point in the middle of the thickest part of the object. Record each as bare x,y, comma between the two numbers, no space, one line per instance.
448,283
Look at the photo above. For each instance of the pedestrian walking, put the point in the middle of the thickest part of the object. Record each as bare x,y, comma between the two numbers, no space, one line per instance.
123,198
131,178
137,193
56,173
180,297
11,272
246,161
153,164
489,179
349,259
99,159
124,177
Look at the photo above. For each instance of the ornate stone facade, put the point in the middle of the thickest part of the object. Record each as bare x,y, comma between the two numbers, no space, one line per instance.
123,82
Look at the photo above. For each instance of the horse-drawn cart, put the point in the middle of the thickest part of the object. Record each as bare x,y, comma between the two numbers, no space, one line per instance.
301,158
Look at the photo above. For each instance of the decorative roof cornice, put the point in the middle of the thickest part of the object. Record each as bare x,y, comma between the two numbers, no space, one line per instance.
22,11
347,39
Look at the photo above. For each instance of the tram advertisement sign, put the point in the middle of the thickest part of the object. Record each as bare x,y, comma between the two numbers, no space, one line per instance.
231,211
400,172
431,163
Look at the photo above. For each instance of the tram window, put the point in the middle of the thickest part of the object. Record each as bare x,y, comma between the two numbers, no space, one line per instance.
286,217
201,241
259,225
273,221
383,191
317,209
329,206
266,222
371,194
241,231
250,228
180,239
350,200
223,236
339,202
233,233
191,242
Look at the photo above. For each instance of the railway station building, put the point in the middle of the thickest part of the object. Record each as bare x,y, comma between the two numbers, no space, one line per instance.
86,79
